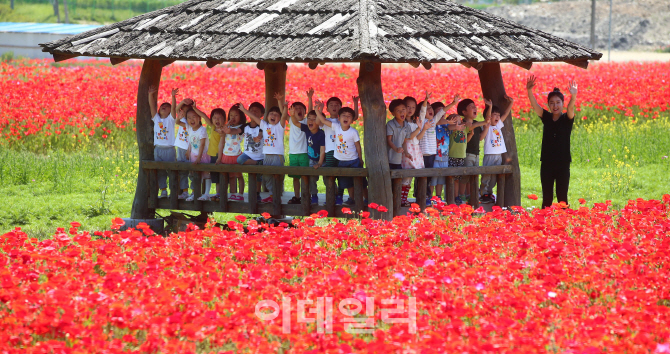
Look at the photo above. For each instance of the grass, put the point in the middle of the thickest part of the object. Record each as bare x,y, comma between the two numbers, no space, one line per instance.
613,160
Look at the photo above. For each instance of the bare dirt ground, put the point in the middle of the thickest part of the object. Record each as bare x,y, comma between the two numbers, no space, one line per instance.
637,25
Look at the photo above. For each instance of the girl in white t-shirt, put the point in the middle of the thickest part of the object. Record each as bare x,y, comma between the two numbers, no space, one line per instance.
413,157
197,151
273,145
231,149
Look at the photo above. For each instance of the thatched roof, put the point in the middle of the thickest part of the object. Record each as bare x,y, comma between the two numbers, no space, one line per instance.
393,31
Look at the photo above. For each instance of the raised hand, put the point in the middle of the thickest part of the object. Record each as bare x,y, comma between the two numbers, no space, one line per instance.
572,87
457,98
354,99
187,101
488,102
192,100
291,112
510,100
452,119
319,105
175,92
310,92
530,83
279,96
428,95
153,89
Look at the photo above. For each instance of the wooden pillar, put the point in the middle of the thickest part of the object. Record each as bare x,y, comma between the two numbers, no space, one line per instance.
490,78
150,76
380,189
275,81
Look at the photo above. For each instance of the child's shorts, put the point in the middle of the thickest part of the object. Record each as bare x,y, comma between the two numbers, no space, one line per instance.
244,158
298,160
330,160
471,160
203,159
348,182
456,162
231,160
441,180
215,175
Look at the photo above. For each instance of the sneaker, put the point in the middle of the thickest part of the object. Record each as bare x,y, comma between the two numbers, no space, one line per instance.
183,195
267,200
482,199
215,197
350,201
190,198
315,199
492,199
163,194
458,201
237,197
436,200
429,201
338,200
294,200
204,197
465,198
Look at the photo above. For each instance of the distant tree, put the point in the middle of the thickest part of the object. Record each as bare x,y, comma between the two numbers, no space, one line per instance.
56,11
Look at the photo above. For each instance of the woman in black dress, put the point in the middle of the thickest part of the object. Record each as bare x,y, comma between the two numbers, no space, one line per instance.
555,156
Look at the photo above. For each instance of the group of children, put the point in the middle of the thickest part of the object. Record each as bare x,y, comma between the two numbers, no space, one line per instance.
428,139
424,139
314,141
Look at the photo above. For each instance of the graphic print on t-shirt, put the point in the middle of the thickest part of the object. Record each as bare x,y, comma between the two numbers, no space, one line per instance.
183,135
270,140
496,140
310,150
161,134
341,144
459,137
251,145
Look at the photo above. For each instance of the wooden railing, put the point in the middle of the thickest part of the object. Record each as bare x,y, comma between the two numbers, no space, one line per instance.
253,206
469,173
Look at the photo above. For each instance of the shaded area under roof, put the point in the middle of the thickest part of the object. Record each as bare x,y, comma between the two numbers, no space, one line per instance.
393,31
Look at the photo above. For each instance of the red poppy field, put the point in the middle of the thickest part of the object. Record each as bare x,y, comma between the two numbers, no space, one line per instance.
47,102
589,280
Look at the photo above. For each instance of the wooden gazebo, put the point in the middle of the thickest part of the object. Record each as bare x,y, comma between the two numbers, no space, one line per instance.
275,32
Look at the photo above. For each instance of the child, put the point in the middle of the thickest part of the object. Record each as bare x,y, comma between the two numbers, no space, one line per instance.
316,146
333,106
428,142
273,144
163,134
472,149
459,140
297,144
197,150
181,142
231,149
253,143
494,147
214,125
348,148
397,133
412,157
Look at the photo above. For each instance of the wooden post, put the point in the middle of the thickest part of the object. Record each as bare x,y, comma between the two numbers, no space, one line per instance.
449,189
493,88
275,81
474,191
331,191
397,190
277,188
305,197
421,186
174,189
501,198
150,76
253,194
380,189
223,191
153,188
358,194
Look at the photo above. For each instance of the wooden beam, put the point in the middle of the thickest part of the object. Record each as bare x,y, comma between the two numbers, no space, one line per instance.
242,207
275,81
313,65
260,66
150,76
475,65
524,64
259,169
117,61
61,57
427,65
451,171
414,64
584,64
380,189
166,62
493,88
212,63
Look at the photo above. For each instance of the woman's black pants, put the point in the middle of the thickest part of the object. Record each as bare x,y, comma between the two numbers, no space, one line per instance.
551,172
